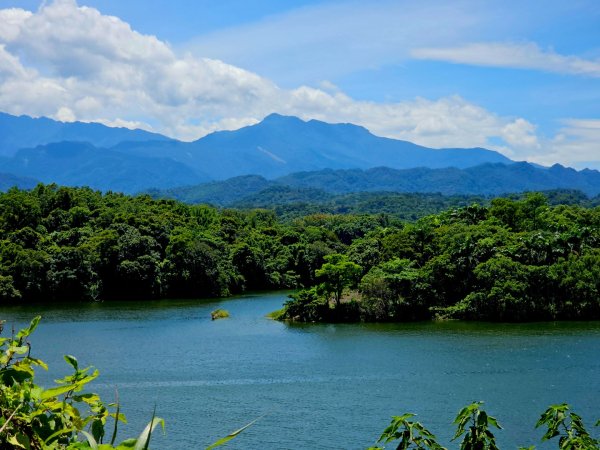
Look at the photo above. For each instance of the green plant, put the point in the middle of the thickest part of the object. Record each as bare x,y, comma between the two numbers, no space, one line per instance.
219,314
475,424
32,417
61,417
568,426
412,435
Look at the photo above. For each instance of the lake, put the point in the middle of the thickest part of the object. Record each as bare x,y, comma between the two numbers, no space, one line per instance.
318,386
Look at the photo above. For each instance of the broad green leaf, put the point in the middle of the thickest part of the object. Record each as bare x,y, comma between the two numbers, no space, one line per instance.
90,439
19,350
144,438
72,361
58,433
32,326
56,391
13,440
39,362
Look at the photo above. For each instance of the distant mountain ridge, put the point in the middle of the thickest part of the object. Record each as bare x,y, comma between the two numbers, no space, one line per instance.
108,158
17,132
280,145
82,164
485,179
8,180
280,151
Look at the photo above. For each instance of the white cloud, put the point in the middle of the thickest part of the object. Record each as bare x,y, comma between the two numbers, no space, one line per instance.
327,40
11,20
73,63
522,56
577,143
521,134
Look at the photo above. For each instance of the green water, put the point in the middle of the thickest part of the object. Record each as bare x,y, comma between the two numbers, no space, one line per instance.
320,386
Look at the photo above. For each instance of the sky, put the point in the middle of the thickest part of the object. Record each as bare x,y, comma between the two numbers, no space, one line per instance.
521,77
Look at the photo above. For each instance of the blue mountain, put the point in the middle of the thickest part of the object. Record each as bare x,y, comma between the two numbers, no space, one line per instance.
280,145
17,132
82,164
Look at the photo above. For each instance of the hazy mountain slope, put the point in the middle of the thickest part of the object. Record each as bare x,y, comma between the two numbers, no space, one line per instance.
17,132
82,164
280,145
8,180
317,186
487,179
221,193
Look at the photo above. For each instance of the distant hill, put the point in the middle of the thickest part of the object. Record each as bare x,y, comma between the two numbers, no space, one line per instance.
293,202
277,146
82,164
280,145
17,132
486,179
220,193
323,185
8,180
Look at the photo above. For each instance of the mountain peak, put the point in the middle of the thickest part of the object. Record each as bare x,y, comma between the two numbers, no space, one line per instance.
278,119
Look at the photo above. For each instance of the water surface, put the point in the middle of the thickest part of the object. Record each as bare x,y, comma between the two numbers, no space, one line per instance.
320,386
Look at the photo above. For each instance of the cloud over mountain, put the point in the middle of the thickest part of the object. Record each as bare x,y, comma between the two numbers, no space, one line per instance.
71,62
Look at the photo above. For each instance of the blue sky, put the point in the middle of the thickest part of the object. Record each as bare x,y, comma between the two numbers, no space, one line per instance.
522,77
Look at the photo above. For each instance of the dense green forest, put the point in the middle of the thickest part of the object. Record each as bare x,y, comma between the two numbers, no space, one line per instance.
291,203
515,259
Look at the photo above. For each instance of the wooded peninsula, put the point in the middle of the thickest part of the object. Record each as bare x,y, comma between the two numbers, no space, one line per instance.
508,260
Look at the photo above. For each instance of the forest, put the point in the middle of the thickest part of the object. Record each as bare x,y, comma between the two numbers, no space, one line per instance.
513,259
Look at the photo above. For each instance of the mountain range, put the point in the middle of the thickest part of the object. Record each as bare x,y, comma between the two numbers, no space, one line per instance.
306,187
280,151
280,145
17,132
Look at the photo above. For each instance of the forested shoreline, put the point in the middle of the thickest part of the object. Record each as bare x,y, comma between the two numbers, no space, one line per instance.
513,260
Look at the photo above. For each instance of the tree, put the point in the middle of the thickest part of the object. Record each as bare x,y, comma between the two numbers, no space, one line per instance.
338,273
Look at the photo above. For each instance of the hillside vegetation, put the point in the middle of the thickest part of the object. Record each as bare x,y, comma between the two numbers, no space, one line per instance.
511,260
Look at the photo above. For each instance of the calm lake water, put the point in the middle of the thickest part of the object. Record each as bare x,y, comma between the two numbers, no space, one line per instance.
319,386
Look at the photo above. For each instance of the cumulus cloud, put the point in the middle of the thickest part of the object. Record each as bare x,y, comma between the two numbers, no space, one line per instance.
74,63
521,134
523,56
577,143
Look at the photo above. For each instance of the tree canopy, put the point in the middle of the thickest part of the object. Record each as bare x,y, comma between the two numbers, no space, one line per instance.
513,259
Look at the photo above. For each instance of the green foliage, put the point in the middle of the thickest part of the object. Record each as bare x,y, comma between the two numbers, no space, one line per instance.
476,426
219,314
474,423
563,423
306,306
336,274
62,417
76,244
516,259
411,434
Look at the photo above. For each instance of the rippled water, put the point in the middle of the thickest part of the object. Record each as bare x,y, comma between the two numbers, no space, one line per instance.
318,386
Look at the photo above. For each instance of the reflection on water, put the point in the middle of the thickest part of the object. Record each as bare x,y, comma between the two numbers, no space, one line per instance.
321,386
